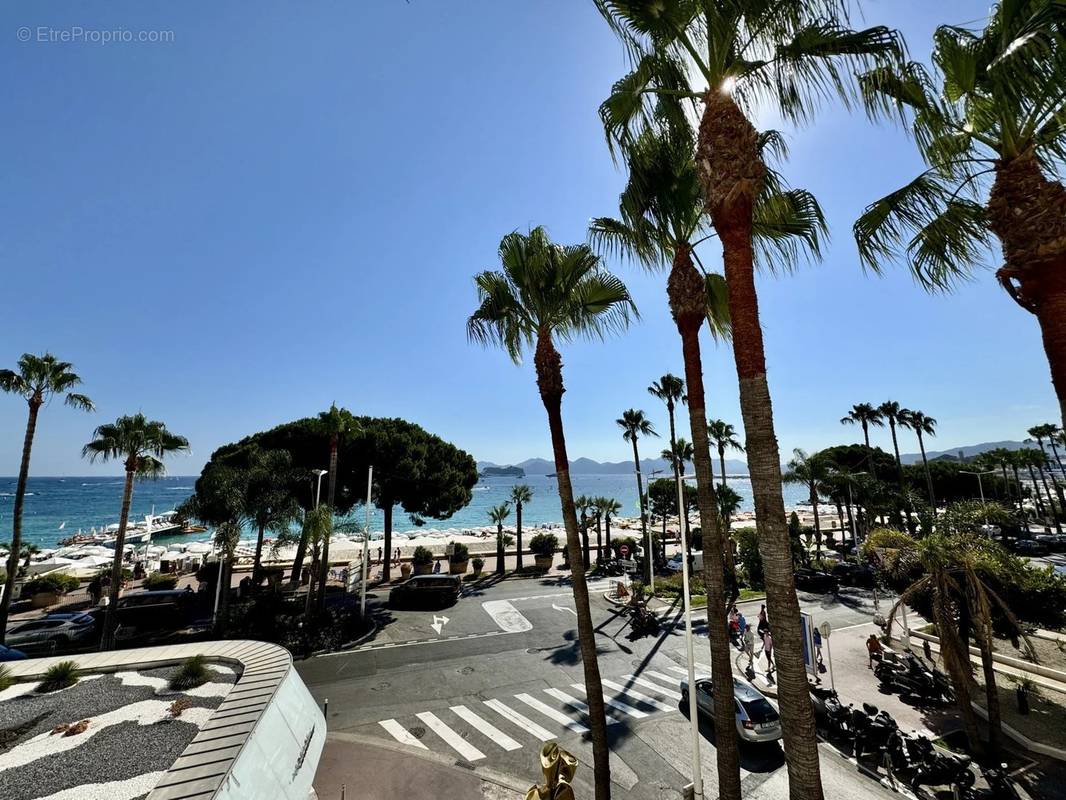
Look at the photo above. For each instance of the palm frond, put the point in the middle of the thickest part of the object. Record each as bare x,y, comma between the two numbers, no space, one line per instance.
788,226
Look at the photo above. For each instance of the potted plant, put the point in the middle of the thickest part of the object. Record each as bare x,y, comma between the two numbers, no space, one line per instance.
405,570
479,564
422,560
459,559
543,547
47,589
157,581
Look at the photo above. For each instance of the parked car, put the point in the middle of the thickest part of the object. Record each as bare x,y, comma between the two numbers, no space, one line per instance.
60,632
757,719
426,591
1030,547
695,564
11,654
1049,540
155,612
851,574
812,580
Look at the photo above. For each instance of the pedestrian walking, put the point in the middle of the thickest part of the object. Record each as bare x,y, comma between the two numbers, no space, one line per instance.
818,646
749,645
762,616
742,623
380,552
436,567
874,650
768,649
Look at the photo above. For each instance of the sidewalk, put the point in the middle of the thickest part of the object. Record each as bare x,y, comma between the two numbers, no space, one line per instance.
371,770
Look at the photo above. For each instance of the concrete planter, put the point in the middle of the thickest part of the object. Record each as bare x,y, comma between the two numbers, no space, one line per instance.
405,571
44,599
423,569
458,567
543,562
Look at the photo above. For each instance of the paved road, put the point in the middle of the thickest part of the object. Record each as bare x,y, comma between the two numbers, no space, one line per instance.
503,673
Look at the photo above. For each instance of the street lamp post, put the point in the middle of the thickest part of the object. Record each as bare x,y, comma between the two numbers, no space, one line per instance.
366,545
981,491
318,487
697,775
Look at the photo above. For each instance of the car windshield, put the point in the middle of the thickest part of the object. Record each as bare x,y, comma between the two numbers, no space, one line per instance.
760,710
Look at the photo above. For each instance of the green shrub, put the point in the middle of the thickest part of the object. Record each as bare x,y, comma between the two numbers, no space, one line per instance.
460,553
59,676
5,678
57,582
544,544
422,556
886,539
192,673
748,554
157,581
478,563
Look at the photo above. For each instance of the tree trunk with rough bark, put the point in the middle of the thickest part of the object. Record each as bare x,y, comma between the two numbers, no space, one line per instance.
16,527
732,173
323,578
649,556
107,638
685,288
549,368
928,474
518,534
257,564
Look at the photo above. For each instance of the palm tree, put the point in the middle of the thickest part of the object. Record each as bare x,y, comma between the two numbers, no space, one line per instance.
268,501
141,444
1037,459
922,425
546,292
890,410
498,515
335,424
317,528
671,390
810,470
1047,431
677,455
723,435
953,573
988,123
634,425
37,380
867,416
520,495
583,504
607,507
227,537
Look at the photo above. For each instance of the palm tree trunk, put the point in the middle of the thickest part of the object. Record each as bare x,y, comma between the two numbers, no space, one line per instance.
599,538
1021,500
518,534
16,528
869,450
649,558
1036,491
1054,480
499,548
817,522
107,638
840,521
223,597
728,158
386,510
607,534
298,561
257,563
928,474
686,291
586,559
324,576
721,460
984,644
956,660
550,382
1050,499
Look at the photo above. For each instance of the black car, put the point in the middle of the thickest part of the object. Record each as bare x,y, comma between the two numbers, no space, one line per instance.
1028,547
812,580
426,591
854,574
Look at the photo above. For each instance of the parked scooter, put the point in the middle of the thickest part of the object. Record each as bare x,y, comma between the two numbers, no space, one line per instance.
834,716
910,676
872,729
1001,787
644,622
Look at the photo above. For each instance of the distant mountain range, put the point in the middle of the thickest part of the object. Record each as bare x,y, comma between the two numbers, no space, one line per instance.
586,466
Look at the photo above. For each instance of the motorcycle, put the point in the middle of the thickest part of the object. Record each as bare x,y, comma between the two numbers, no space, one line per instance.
872,729
999,783
835,716
644,622
913,678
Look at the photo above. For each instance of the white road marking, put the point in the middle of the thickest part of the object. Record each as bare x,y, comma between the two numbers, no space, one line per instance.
487,728
650,685
507,616
576,704
564,608
457,742
439,623
551,713
626,691
522,722
400,733
702,670
625,708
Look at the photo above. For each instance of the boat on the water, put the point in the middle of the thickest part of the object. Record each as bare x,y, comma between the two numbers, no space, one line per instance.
165,524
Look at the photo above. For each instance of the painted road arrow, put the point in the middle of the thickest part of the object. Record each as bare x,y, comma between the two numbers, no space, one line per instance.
439,623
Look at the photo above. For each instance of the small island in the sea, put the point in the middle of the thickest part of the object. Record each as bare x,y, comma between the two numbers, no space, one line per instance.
503,472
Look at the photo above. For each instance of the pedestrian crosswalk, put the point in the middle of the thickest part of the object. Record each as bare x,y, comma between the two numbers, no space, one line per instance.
529,719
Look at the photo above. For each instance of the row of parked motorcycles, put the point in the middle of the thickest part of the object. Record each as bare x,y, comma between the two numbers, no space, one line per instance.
911,759
911,677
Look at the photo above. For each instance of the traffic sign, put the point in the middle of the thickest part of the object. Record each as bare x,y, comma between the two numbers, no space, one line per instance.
623,550
825,629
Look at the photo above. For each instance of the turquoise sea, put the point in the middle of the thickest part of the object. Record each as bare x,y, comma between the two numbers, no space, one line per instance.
58,507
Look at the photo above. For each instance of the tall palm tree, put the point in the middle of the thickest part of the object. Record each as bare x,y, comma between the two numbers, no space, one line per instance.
520,495
227,537
583,504
728,57
723,435
608,507
597,519
890,410
922,425
268,501
635,424
1047,431
868,416
498,515
547,293
1037,459
335,424
36,380
677,455
811,471
141,444
987,120
671,390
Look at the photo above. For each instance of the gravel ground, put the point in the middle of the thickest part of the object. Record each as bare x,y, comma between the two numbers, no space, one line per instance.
123,750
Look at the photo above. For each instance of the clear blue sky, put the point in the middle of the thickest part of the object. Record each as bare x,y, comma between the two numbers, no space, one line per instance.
284,206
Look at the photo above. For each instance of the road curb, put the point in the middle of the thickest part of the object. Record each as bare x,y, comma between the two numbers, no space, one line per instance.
484,773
